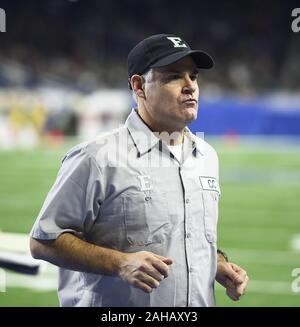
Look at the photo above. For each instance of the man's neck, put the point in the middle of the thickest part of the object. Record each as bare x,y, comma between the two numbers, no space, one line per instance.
168,135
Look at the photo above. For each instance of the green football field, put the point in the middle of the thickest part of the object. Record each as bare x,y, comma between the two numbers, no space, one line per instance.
259,221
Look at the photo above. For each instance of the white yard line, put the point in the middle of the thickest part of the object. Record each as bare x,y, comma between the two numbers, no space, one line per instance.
14,242
265,257
261,175
38,284
295,243
267,287
47,280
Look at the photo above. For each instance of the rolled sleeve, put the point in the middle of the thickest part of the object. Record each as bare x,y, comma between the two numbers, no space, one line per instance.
73,203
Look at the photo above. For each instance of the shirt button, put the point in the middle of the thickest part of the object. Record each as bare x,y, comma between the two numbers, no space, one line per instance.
188,235
191,270
147,198
209,237
187,201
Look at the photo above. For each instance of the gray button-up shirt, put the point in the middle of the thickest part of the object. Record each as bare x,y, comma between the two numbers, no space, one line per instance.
126,192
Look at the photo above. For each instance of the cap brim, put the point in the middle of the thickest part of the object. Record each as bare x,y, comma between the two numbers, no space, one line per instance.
201,58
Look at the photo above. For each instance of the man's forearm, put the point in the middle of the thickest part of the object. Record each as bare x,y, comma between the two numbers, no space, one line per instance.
70,252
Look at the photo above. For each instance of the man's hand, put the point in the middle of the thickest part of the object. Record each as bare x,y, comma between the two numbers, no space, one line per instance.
144,270
233,278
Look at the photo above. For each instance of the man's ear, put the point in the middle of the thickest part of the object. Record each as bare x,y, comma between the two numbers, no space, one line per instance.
137,84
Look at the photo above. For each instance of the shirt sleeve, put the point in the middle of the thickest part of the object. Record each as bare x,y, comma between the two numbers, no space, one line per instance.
73,203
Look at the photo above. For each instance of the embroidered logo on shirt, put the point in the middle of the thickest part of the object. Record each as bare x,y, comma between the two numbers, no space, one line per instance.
146,183
209,183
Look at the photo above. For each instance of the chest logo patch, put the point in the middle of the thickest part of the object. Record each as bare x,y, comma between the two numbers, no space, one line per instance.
209,183
145,182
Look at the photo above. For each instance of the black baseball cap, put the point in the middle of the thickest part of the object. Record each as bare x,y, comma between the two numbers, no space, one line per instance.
161,50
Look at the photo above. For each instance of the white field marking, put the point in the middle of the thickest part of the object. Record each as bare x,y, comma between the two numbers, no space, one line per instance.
278,240
251,232
266,257
295,243
45,281
259,225
266,287
14,242
260,175
39,284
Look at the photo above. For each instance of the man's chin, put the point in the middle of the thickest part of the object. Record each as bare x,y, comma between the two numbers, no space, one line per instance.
190,115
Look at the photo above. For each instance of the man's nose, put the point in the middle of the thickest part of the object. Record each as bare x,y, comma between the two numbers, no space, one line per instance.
189,85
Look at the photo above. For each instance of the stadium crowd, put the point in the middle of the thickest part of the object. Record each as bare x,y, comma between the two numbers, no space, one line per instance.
85,43
56,56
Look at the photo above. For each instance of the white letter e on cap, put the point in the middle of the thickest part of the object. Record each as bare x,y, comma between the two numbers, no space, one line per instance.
177,42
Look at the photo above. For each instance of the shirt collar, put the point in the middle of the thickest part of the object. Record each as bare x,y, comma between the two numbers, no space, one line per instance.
144,139
141,134
197,142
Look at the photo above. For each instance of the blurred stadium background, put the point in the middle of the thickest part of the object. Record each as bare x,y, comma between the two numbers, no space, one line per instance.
63,80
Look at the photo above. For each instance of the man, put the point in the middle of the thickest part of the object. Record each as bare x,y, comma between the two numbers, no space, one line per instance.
131,219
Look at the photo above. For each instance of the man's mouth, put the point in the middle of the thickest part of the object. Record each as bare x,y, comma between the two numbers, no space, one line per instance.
190,101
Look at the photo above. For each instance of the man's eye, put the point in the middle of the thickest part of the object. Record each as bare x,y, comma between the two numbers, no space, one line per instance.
194,77
174,76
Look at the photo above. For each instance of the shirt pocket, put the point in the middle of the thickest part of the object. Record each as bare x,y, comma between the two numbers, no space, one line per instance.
146,218
211,209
